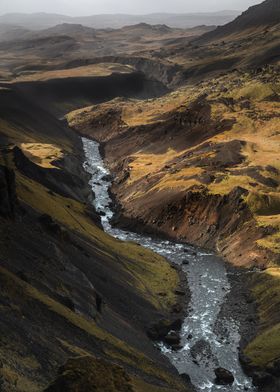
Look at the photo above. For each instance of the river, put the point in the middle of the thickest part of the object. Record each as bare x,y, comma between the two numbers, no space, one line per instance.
202,349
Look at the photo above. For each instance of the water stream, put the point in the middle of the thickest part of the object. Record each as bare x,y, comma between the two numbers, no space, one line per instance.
202,350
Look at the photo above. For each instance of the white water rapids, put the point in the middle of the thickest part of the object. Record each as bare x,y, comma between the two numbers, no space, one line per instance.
208,283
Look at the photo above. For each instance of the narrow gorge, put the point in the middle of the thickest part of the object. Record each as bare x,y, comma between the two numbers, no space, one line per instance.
140,198
201,348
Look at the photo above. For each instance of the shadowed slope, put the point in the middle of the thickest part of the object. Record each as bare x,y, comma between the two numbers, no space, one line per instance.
261,15
67,288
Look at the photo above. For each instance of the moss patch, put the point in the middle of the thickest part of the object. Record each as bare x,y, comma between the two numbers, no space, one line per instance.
256,91
16,288
89,373
265,348
264,204
150,273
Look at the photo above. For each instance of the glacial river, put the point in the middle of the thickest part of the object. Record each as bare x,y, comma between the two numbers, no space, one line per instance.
202,350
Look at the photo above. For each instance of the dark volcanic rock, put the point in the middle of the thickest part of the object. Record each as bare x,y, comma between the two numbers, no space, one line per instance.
223,377
201,352
186,377
107,178
172,338
200,348
7,192
160,330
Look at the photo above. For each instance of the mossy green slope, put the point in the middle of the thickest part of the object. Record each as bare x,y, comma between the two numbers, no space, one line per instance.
264,350
67,288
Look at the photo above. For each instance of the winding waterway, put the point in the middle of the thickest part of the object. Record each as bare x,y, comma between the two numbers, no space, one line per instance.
202,349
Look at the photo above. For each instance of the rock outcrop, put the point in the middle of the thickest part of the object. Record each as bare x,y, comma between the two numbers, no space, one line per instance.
7,192
224,377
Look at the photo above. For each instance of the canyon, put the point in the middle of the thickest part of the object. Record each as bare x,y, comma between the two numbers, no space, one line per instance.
139,207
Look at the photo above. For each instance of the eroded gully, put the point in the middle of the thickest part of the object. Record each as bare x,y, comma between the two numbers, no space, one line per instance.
202,349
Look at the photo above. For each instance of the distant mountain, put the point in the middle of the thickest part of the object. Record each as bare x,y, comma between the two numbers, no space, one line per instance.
145,27
261,15
70,30
10,32
44,20
35,21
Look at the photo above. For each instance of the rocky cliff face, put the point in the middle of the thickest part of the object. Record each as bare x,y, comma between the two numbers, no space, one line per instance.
200,159
222,223
193,166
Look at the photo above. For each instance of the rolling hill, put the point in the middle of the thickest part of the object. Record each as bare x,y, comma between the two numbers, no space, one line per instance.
44,20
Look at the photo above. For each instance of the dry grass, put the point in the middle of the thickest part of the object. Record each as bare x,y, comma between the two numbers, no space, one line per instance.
147,112
183,179
144,164
254,90
95,70
42,154
265,348
15,286
148,270
257,127
20,382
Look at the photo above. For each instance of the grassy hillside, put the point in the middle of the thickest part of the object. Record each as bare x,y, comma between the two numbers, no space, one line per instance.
199,164
67,288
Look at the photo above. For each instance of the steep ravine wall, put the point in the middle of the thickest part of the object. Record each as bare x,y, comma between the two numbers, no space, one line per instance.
226,225
60,95
65,284
223,223
171,75
220,223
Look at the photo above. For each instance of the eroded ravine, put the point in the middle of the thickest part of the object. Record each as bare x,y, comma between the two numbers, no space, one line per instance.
202,349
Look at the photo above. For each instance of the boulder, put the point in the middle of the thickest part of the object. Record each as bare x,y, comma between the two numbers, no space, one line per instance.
202,349
223,377
186,377
107,178
172,338
160,330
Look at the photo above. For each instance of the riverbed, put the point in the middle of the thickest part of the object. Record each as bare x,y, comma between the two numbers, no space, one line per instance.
202,350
